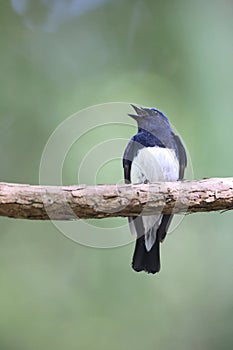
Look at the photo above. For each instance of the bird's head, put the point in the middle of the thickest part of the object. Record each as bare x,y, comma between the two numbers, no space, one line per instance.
149,119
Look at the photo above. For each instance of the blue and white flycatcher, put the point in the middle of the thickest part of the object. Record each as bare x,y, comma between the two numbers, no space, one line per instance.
154,154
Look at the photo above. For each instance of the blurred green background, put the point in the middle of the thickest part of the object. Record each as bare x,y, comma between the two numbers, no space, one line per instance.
58,57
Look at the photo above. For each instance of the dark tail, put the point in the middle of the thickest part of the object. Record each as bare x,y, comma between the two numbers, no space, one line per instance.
144,260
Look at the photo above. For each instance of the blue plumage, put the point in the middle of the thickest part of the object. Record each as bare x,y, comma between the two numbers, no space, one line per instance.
147,139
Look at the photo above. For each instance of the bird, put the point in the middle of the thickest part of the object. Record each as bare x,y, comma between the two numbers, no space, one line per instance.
156,153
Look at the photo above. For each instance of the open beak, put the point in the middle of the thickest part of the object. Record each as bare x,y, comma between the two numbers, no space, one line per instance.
140,112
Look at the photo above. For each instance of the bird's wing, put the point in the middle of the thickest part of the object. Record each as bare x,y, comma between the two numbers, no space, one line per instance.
182,156
130,152
166,220
135,223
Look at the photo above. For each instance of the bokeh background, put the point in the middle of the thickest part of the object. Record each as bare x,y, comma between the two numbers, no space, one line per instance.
58,57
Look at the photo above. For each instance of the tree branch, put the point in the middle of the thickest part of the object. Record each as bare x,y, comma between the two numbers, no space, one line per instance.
102,201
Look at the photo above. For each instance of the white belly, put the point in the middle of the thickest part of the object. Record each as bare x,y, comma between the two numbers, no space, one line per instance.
154,164
150,165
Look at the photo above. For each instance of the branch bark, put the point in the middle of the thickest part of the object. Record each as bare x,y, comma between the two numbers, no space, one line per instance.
102,201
